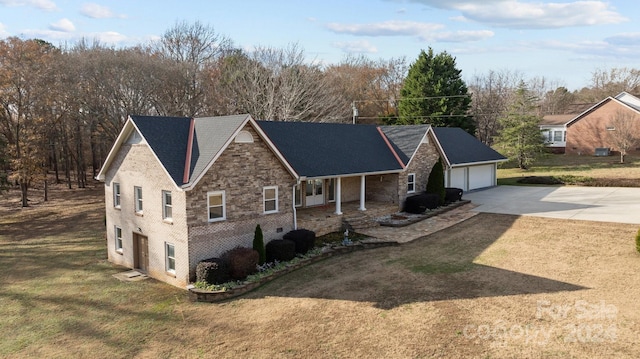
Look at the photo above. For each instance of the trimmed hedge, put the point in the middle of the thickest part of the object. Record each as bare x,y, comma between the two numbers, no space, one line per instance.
435,183
242,262
304,239
213,271
419,203
638,241
281,250
452,194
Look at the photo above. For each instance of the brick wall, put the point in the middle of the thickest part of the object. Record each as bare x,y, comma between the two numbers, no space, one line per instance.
135,165
590,132
241,172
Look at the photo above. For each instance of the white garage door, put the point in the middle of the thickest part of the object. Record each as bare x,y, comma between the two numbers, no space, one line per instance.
458,178
481,176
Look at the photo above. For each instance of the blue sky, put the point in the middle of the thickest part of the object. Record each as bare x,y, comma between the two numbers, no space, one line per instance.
564,41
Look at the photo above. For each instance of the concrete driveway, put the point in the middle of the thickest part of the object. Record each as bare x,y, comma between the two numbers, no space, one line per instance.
605,204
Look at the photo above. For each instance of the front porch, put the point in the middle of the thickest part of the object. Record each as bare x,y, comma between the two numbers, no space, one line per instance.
323,219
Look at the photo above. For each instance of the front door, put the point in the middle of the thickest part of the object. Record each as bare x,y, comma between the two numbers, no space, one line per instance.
141,252
314,194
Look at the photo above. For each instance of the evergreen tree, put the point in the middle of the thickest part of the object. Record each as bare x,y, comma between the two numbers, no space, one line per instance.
520,138
258,245
435,183
434,93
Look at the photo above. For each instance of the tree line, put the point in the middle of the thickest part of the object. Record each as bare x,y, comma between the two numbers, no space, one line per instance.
63,107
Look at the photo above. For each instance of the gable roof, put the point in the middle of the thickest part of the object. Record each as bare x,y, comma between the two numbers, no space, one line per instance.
625,99
185,147
332,149
167,139
460,148
406,139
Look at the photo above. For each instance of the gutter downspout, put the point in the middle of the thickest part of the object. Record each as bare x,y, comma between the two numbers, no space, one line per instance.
293,203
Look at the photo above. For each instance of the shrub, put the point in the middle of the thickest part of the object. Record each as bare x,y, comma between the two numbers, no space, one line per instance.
435,182
638,241
258,245
304,239
421,202
242,262
280,250
452,194
213,271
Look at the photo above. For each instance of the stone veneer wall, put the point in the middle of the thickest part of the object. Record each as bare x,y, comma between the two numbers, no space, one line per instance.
383,188
241,171
590,132
135,165
422,163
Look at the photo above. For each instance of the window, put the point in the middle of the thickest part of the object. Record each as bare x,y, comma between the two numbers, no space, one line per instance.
166,205
298,195
116,195
170,251
118,240
332,190
244,137
270,199
215,203
557,136
138,198
411,183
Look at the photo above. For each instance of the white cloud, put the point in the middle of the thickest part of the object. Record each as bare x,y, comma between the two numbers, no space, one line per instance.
64,25
53,36
356,46
460,36
518,14
423,31
96,11
625,39
46,5
387,28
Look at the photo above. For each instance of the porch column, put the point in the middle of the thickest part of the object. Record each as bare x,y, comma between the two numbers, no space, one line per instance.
338,196
362,193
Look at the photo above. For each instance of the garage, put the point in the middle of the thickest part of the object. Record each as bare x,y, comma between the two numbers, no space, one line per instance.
468,163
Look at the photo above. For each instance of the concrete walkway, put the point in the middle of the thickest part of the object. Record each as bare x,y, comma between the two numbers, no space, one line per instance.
604,204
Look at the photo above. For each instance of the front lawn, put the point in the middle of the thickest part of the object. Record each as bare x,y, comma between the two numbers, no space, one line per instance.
493,286
578,170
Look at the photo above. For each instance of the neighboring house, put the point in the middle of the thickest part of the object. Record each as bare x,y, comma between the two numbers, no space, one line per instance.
585,131
180,190
468,163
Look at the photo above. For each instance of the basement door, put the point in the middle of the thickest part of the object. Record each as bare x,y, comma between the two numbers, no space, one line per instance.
314,194
141,252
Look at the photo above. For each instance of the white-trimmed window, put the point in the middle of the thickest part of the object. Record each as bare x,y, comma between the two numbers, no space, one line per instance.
166,205
270,199
411,183
116,195
216,206
298,195
170,257
118,239
138,198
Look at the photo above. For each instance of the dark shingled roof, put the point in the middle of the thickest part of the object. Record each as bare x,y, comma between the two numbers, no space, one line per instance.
460,147
167,137
405,139
331,149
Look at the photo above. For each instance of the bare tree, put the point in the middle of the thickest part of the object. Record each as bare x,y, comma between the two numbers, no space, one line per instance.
492,95
278,84
623,131
192,48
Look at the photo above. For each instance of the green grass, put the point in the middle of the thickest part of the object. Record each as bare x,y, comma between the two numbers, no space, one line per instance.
577,170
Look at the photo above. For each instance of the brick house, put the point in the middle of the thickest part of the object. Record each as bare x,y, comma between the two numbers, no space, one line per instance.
584,132
179,190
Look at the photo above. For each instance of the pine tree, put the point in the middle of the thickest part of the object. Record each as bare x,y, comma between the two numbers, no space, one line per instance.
435,93
435,183
258,245
520,138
